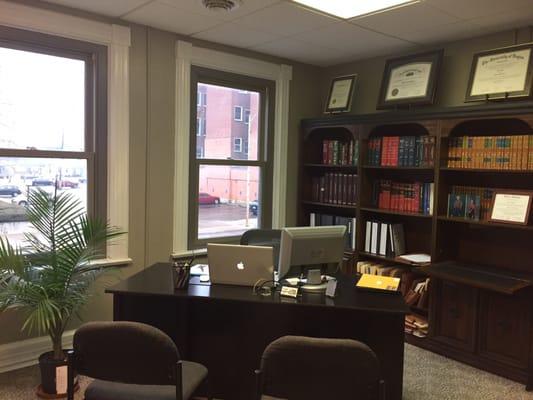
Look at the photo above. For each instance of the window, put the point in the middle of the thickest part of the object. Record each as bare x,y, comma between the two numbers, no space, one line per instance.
237,145
247,116
200,126
231,166
237,113
52,103
201,99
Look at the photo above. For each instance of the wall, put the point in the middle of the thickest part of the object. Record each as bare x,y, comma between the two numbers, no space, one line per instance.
454,75
152,112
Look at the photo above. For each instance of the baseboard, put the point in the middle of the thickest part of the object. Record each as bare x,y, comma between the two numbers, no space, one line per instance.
26,352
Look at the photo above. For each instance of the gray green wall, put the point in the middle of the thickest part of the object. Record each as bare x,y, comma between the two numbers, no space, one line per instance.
453,79
152,112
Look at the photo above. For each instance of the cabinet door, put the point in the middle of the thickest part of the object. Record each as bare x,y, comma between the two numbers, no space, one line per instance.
454,319
504,328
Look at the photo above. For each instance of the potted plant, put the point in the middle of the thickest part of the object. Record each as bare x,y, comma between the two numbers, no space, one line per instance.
49,278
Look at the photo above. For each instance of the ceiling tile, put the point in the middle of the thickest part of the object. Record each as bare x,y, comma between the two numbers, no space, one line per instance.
235,34
467,9
304,52
287,19
114,8
351,39
445,33
163,16
195,6
511,19
414,17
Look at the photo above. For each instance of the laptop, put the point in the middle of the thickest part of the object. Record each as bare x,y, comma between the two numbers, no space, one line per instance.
239,265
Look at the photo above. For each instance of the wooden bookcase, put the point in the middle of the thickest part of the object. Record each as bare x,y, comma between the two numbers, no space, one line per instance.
481,272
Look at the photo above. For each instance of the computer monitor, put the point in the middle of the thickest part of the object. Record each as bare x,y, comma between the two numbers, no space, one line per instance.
310,246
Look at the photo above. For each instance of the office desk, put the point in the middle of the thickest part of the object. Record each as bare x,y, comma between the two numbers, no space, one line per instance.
227,327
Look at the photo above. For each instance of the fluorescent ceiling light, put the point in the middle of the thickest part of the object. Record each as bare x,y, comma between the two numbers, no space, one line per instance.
353,8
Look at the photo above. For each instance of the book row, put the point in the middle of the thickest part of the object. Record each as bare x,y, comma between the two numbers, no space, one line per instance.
491,152
334,188
416,325
404,197
316,219
336,152
470,202
402,151
384,239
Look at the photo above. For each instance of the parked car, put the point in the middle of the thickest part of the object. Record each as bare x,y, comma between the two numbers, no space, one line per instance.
21,200
9,190
206,198
42,182
253,207
67,184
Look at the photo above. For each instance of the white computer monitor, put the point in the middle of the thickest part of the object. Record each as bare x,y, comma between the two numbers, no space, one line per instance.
310,246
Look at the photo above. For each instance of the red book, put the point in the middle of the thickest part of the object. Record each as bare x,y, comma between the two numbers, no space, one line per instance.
384,151
395,147
416,197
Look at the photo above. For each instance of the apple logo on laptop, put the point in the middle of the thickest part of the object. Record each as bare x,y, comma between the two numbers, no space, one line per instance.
240,266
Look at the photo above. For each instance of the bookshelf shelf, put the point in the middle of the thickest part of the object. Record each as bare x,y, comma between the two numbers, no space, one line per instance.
487,224
393,212
351,168
396,260
315,203
484,170
379,167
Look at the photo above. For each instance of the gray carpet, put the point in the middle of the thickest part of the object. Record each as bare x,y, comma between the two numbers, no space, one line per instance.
427,376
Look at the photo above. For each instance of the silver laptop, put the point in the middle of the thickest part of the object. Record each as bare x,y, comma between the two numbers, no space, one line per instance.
239,265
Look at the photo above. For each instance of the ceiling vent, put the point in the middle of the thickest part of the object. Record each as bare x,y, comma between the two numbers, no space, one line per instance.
221,5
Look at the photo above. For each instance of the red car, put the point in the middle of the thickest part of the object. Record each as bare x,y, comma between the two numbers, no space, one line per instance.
206,198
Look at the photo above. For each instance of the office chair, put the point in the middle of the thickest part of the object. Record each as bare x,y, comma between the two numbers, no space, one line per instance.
298,368
131,361
263,237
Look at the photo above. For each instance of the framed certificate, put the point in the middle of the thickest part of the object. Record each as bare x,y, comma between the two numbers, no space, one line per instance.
511,207
341,94
410,80
501,74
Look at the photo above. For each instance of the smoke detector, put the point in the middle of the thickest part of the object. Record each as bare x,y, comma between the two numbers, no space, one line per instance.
221,5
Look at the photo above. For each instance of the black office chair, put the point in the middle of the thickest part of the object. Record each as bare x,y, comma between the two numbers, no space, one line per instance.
131,361
263,237
304,368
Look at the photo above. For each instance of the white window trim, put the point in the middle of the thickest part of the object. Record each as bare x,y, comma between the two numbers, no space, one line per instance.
117,40
188,55
240,113
239,144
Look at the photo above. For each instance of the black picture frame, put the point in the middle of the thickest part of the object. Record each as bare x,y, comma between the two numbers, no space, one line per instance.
434,58
525,93
346,106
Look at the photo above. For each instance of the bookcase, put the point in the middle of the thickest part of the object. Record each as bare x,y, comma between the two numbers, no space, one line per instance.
481,273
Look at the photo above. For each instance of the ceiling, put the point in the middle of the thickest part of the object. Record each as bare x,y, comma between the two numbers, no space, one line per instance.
285,29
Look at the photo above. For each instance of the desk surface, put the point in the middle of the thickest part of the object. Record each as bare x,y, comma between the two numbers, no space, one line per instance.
157,281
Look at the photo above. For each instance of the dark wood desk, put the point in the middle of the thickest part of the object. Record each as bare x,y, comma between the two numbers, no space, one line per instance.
227,327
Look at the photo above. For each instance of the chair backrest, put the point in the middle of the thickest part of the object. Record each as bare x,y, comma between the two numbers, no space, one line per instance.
298,368
127,352
263,237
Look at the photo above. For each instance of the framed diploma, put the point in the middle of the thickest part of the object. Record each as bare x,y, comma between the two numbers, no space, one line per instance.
410,80
511,207
341,94
501,74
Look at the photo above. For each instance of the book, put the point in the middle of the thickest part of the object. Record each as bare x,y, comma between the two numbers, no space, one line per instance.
456,205
378,282
335,188
417,197
337,152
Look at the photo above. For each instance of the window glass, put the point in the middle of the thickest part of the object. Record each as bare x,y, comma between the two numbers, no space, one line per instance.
228,200
42,101
220,127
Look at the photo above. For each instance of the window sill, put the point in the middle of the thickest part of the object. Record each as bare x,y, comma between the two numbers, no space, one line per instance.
113,262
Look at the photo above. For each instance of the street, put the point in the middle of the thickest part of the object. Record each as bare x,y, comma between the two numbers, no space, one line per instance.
224,220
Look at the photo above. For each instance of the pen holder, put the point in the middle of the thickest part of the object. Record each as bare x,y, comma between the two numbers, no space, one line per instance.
180,275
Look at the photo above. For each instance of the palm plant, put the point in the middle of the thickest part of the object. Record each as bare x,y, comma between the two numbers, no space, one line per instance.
50,276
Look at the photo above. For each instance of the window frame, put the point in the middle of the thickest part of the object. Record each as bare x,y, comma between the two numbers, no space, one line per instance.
265,146
237,145
95,150
235,108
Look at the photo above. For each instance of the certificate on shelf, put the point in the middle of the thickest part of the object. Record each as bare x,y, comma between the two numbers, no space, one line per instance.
409,81
511,207
341,91
501,73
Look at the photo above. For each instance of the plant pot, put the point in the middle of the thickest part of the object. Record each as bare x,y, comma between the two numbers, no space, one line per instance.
48,366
